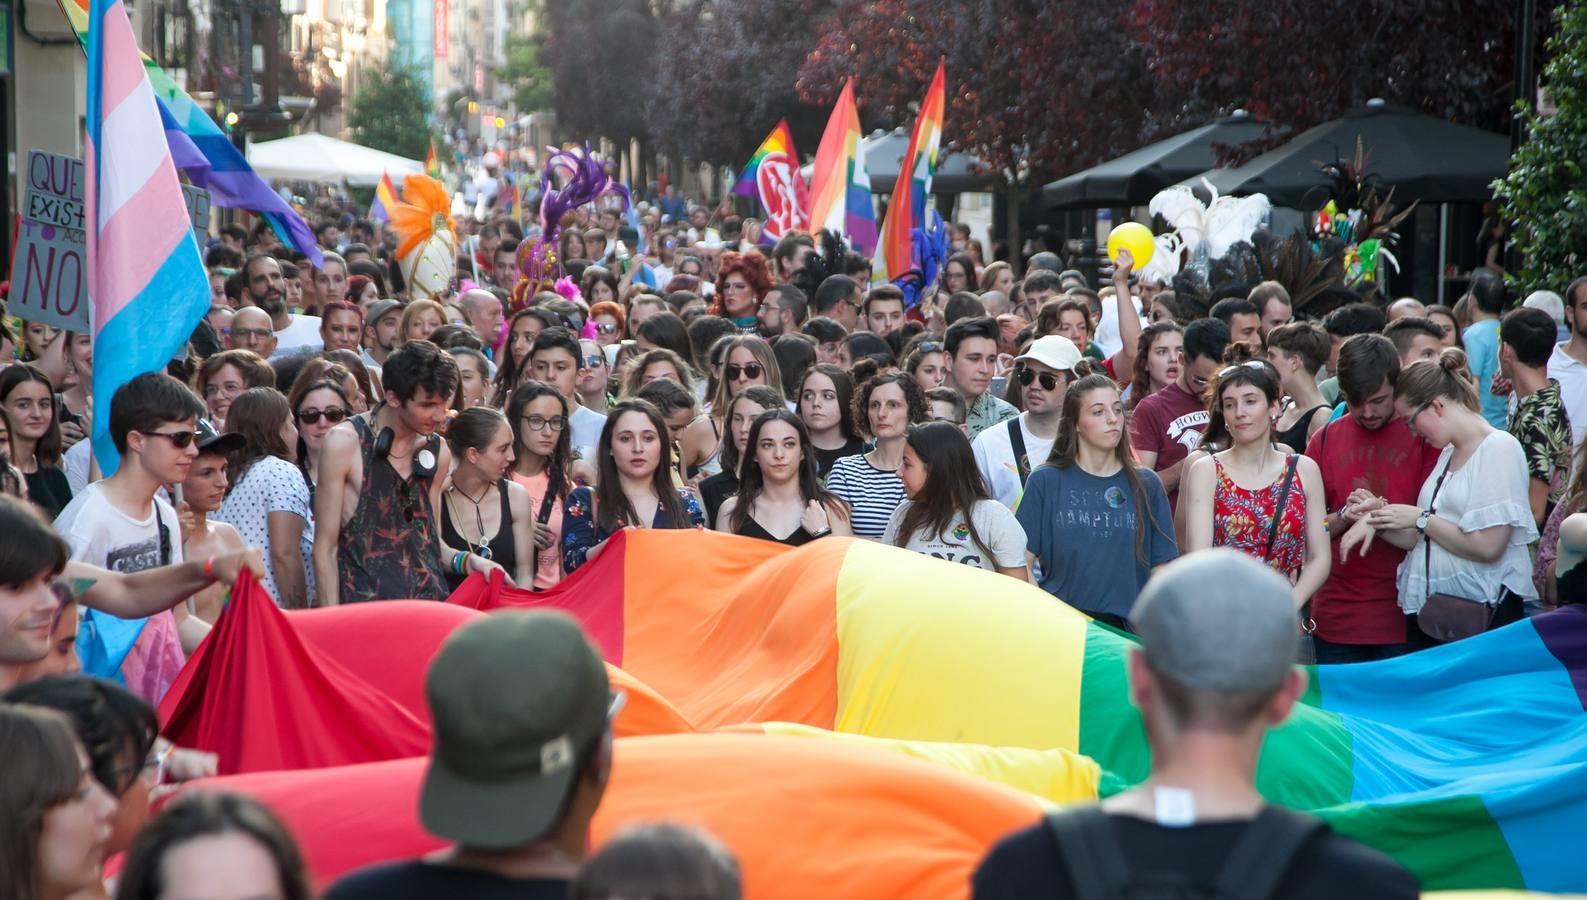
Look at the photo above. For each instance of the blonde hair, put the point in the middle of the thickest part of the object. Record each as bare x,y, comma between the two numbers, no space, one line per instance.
1425,380
411,312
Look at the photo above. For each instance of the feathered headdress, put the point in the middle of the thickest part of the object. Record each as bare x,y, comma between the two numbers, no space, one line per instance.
584,180
426,246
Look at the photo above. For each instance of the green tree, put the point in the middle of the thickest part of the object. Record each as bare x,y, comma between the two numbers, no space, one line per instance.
1545,189
532,90
391,112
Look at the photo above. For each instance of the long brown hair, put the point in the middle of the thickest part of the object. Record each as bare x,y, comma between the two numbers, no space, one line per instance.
562,453
953,484
612,509
43,770
48,450
751,480
1066,449
257,414
1141,385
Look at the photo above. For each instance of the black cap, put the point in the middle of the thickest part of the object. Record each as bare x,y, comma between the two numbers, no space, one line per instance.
212,441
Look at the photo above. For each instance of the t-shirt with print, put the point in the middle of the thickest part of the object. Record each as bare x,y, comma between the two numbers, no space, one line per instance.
1001,533
994,457
1169,423
104,536
1543,427
1082,530
270,485
586,425
1359,603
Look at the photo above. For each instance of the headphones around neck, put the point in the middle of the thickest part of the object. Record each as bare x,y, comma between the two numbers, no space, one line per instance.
425,459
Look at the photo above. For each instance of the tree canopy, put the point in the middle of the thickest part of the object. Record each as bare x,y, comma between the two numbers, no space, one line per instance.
391,113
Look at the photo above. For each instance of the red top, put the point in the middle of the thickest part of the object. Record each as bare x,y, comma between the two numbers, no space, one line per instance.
1243,519
1168,423
1359,603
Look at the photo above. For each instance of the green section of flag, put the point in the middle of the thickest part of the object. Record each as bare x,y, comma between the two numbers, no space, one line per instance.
1449,844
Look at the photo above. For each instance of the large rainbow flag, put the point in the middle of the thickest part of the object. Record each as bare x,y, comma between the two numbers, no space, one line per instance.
907,212
772,176
1464,762
840,185
204,152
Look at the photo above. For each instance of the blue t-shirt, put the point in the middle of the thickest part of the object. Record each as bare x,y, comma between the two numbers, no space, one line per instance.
1482,354
1082,528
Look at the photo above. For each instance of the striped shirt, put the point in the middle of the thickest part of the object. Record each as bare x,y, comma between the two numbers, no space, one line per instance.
871,494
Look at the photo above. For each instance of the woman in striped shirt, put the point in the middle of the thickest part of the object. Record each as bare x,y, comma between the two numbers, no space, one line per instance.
868,483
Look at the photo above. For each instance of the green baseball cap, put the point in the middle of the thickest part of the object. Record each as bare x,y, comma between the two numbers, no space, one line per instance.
517,699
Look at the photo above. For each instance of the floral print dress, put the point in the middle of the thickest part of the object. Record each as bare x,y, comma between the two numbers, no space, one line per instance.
1243,519
580,534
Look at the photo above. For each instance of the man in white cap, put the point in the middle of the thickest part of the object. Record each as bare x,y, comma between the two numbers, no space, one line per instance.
515,775
1007,452
1208,694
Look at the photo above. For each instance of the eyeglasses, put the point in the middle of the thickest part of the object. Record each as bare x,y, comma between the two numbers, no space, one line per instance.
1410,420
732,371
245,333
181,440
540,423
606,327
332,415
1049,381
151,771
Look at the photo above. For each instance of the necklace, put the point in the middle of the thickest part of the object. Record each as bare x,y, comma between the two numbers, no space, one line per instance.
480,547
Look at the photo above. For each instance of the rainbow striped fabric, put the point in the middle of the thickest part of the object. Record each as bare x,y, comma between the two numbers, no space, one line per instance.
385,199
772,176
149,288
208,157
840,185
1464,762
907,211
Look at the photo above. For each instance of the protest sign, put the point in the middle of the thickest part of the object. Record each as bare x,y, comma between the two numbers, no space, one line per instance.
49,271
197,200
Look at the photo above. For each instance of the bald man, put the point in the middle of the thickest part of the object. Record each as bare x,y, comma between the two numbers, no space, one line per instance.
250,330
484,314
1407,307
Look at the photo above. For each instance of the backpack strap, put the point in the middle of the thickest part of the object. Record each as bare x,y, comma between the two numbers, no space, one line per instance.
1265,852
1016,440
1089,847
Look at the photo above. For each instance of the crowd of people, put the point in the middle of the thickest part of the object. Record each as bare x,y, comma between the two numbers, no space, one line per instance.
1385,479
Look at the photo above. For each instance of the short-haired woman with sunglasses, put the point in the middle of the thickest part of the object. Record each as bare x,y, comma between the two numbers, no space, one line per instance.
1258,497
482,509
270,503
318,407
543,453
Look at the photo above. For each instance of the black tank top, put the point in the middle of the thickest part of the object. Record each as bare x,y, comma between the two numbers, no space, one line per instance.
502,550
798,538
1298,432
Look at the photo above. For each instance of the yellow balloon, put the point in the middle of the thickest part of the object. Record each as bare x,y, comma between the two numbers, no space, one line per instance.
1134,237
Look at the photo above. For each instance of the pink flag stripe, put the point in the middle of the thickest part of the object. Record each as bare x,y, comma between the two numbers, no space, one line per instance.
134,130
123,65
132,247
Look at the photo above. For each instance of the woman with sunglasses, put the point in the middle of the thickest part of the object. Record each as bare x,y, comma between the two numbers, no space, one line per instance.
634,488
611,323
1470,527
869,482
595,376
482,509
925,362
1096,521
318,406
270,503
1258,497
780,497
742,413
543,454
949,514
29,402
826,404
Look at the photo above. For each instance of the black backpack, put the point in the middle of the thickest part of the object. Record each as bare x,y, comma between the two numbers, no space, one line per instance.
1269,845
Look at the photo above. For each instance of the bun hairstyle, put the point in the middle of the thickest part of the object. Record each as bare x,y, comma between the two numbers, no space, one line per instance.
1448,377
1086,367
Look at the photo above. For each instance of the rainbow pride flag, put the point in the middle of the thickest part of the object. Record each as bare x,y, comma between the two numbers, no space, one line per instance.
840,185
907,212
1464,762
772,176
385,199
201,150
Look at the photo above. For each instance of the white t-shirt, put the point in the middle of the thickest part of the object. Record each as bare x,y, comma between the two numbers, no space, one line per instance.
1572,378
586,424
76,463
997,527
302,336
271,484
994,457
104,536
1489,489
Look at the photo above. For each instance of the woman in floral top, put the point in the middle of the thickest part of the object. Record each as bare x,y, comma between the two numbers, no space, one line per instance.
634,489
1232,498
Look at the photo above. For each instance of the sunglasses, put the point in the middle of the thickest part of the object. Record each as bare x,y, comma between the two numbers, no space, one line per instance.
540,423
1049,381
732,371
181,440
594,362
332,415
928,346
1248,364
606,327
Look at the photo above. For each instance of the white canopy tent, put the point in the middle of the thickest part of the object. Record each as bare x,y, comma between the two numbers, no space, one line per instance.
316,157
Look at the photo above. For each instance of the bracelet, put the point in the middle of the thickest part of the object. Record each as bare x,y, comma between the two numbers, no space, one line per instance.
209,568
460,562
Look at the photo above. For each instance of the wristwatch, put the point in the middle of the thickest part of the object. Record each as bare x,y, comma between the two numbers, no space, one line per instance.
1421,520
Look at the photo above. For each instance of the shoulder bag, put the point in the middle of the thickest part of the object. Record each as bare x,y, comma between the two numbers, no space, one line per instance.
1446,617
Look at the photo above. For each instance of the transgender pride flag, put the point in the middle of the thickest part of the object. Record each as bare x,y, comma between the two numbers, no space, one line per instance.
148,286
